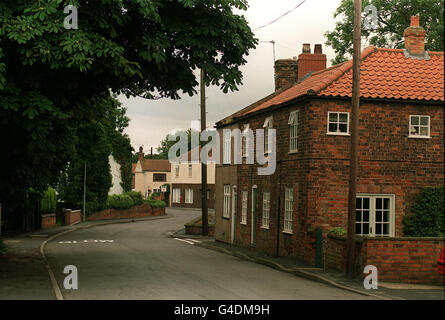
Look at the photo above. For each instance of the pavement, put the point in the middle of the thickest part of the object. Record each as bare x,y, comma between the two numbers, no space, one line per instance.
386,291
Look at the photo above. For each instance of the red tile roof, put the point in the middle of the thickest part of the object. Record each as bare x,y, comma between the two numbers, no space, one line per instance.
156,165
385,73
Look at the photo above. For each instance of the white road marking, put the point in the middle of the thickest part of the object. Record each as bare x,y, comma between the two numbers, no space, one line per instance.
194,240
85,241
189,242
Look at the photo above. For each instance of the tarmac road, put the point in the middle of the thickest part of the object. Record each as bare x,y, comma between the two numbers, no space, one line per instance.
139,261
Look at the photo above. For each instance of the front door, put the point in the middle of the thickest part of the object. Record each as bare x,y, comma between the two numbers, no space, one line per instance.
254,204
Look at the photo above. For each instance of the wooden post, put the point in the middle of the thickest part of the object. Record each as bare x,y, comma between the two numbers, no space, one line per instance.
350,263
0,219
205,215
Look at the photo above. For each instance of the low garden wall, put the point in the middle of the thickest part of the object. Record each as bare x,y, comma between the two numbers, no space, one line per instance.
48,220
72,217
408,260
144,210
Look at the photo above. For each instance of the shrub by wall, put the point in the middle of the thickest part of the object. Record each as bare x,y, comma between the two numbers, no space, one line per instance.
119,201
136,197
427,218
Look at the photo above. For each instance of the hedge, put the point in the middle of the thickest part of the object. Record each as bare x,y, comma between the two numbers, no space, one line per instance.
136,197
427,214
119,201
156,203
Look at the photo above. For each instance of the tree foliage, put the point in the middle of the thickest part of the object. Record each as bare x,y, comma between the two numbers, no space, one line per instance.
52,80
427,218
394,16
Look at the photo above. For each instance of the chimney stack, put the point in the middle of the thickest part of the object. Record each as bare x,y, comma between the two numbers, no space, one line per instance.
286,73
415,40
311,62
141,154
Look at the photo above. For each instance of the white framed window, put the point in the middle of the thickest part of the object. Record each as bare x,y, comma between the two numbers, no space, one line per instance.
244,207
374,215
227,146
176,195
245,141
177,171
190,170
288,210
268,124
338,123
419,126
266,210
188,195
293,131
226,209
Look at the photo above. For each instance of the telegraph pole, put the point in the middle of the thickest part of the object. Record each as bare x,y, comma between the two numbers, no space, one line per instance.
205,215
84,189
350,262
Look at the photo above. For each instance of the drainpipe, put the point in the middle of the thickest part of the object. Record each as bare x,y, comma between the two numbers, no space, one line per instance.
279,210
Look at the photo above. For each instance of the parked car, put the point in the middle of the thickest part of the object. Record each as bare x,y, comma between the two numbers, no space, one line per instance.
440,261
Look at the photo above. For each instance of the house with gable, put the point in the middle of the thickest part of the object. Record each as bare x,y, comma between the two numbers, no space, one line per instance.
401,149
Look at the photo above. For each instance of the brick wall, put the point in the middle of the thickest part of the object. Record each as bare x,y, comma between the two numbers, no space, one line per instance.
72,217
141,211
48,220
408,260
197,202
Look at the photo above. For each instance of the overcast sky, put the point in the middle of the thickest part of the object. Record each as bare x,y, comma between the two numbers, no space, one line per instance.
151,121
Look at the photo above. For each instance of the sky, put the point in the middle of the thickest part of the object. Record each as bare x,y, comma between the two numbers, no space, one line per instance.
151,121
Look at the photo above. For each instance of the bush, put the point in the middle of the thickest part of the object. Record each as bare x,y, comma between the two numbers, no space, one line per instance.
427,218
119,201
338,231
157,203
92,207
3,249
155,195
136,197
49,201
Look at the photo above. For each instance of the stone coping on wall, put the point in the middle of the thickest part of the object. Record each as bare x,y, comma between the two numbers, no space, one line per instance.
361,238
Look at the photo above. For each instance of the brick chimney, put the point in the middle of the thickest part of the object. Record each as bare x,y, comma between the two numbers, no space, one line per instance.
311,62
415,40
141,154
286,73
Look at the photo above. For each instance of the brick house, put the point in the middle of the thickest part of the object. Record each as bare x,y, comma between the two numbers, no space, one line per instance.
401,149
151,174
186,184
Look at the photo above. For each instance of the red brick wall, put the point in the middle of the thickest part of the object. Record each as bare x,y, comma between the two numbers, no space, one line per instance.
408,260
141,211
48,220
72,217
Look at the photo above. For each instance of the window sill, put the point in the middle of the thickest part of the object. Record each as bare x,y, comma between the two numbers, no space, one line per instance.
226,218
264,228
288,232
338,134
293,152
419,137
243,223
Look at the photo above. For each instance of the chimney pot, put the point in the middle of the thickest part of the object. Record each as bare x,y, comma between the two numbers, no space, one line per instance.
306,48
318,49
415,21
141,154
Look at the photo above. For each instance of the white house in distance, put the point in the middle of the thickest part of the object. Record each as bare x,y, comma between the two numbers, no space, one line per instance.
186,184
150,174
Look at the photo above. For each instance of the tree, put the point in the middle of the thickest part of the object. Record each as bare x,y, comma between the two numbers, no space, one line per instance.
394,16
96,140
167,144
51,78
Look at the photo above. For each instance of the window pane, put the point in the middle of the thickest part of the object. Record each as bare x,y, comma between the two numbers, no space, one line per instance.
358,228
366,203
386,229
343,117
378,216
378,229
378,203
333,117
358,203
366,216
424,131
424,121
386,216
366,228
358,216
414,120
332,127
343,127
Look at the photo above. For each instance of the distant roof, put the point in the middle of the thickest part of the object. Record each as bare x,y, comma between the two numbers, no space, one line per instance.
156,165
385,73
